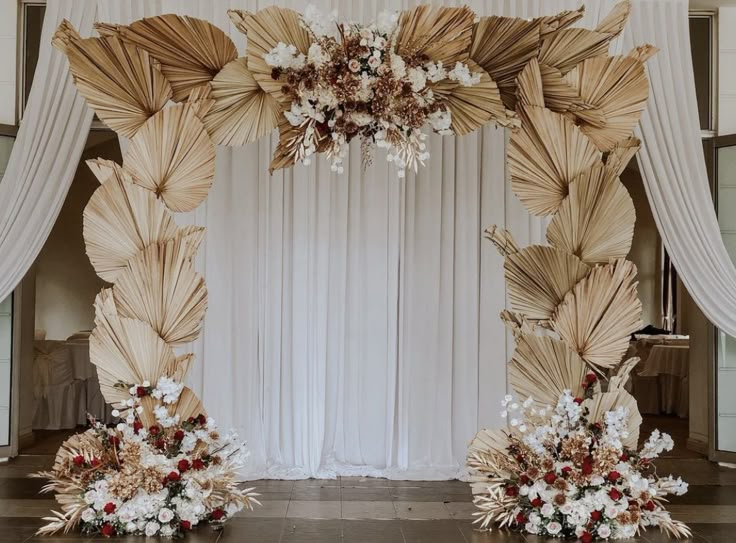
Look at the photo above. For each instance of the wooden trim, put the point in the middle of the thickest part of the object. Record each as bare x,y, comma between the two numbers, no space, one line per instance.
698,446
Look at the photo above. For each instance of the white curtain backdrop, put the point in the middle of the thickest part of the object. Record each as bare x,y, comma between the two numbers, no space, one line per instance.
46,152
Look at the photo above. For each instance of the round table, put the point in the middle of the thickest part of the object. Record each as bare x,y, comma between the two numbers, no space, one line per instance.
668,365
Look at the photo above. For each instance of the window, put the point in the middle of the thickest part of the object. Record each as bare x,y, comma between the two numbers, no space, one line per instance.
702,48
31,25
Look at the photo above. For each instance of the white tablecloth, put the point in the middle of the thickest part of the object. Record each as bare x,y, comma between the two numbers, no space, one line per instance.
661,384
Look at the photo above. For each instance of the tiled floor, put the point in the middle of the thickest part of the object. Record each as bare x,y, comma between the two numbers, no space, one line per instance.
357,510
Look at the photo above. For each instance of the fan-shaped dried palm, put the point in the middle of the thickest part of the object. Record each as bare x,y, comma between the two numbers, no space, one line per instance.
125,351
559,95
265,29
601,404
193,235
502,46
539,277
172,156
243,111
489,440
596,220
622,373
439,34
529,85
120,220
615,21
188,405
617,88
472,107
516,323
190,51
543,367
553,23
599,314
118,80
101,168
642,53
546,154
502,239
160,287
567,48
618,158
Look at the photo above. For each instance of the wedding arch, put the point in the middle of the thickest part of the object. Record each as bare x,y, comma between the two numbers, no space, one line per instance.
177,87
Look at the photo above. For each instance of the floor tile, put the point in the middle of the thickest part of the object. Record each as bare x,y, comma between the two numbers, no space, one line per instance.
314,510
366,494
431,531
461,510
27,508
422,510
23,488
362,482
473,534
240,530
316,493
301,483
371,531
368,510
268,509
704,514
311,531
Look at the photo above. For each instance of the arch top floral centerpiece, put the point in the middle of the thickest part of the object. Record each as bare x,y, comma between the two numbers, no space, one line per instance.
176,86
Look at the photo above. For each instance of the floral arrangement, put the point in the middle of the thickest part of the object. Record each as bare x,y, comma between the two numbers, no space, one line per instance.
353,83
563,474
158,481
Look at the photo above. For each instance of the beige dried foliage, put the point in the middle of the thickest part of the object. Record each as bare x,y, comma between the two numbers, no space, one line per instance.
102,168
173,157
543,367
190,51
502,239
120,219
617,89
567,48
440,34
619,157
160,287
600,313
602,403
596,220
538,278
242,112
620,376
614,23
118,80
544,156
265,29
529,85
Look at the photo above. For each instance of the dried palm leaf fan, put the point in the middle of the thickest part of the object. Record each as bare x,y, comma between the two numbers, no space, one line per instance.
102,168
502,239
517,323
288,151
265,29
190,51
160,287
544,156
618,89
596,220
121,219
543,367
126,351
243,111
118,80
172,156
552,23
619,157
600,404
599,314
539,277
440,34
188,405
472,107
621,375
559,95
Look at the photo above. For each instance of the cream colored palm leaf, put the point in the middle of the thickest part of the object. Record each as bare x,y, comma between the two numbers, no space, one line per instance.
620,376
190,51
472,107
619,157
188,405
243,111
502,239
438,34
125,351
118,80
543,367
121,219
545,155
596,220
553,23
600,313
567,48
601,404
102,168
538,278
617,88
160,287
173,157
265,29
614,23
529,85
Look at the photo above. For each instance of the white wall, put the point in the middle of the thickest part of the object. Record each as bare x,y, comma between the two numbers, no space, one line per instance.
8,39
726,73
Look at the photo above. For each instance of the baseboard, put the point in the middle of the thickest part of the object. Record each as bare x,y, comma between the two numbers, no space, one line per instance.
26,440
698,446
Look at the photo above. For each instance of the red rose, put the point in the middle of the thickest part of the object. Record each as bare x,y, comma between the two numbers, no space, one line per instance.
649,506
587,537
578,400
614,476
95,462
549,478
78,460
190,420
624,457
141,391
595,516
114,441
614,494
566,470
154,430
591,377
520,518
523,479
587,468
217,514
201,419
179,435
173,476
197,463
108,530
183,465
536,502
160,444
137,426
109,508
512,490
186,525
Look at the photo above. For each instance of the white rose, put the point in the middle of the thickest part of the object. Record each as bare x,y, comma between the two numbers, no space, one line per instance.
531,528
566,509
548,510
131,527
165,515
554,527
90,496
604,531
88,515
167,531
152,528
